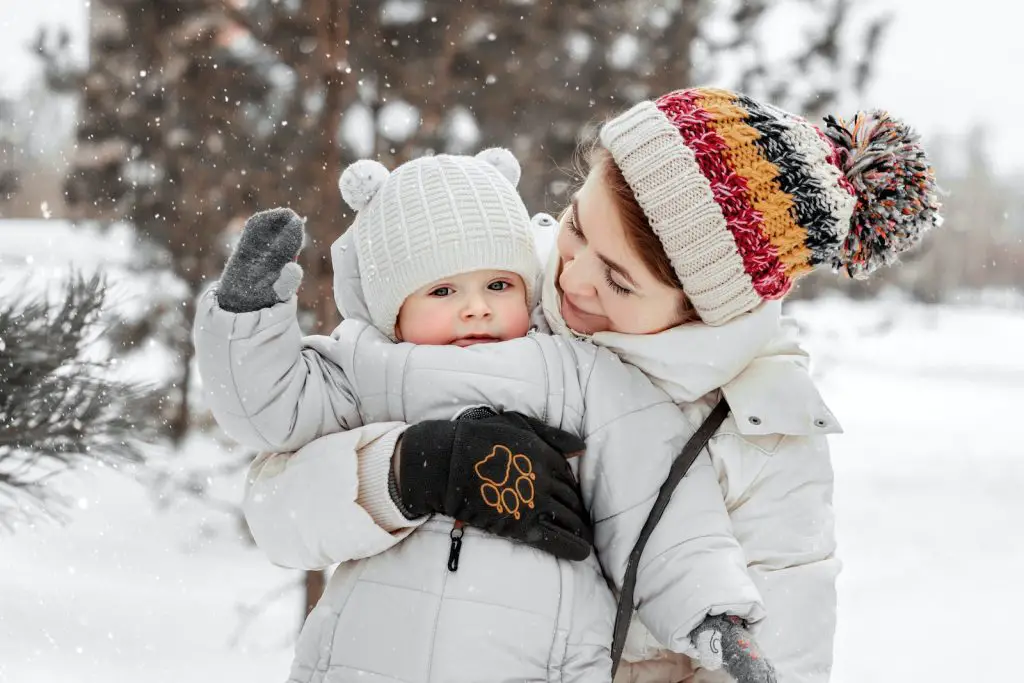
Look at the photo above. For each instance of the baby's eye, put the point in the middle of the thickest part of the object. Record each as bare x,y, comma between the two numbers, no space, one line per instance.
441,291
499,286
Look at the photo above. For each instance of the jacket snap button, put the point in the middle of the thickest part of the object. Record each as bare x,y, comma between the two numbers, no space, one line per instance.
754,420
820,423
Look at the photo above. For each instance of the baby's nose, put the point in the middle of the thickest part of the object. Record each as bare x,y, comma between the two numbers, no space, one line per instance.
476,306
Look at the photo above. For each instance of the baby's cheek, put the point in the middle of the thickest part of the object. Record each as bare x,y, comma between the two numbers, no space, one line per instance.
425,327
519,322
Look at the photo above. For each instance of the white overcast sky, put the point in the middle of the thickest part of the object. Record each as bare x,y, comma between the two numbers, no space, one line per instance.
945,65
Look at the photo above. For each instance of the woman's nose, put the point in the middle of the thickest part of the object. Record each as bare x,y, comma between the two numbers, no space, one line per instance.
575,279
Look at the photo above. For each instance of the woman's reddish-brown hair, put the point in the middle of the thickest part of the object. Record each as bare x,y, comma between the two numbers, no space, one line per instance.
639,232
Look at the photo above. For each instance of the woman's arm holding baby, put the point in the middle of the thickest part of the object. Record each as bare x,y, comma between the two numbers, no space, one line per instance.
354,494
329,501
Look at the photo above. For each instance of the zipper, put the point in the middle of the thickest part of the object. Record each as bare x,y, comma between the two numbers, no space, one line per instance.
455,550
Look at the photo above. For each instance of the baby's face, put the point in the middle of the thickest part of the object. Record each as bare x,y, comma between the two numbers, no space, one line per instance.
470,308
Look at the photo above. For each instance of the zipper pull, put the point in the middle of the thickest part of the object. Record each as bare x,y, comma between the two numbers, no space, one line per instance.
456,548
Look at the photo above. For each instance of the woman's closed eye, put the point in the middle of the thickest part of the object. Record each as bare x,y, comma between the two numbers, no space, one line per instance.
615,286
574,227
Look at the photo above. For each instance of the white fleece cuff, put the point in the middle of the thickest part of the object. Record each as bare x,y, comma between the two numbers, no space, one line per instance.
374,496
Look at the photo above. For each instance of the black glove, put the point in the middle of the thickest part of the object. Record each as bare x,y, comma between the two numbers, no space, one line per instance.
724,642
504,473
262,271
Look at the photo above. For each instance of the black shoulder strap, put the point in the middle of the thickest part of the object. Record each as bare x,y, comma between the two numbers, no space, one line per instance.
679,469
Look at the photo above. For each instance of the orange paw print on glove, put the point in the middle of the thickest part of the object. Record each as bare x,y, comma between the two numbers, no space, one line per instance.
500,466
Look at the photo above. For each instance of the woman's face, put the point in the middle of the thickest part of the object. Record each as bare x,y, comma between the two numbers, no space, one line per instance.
603,284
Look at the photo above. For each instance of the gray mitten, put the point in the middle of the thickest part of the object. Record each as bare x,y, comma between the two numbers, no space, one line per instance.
261,271
723,642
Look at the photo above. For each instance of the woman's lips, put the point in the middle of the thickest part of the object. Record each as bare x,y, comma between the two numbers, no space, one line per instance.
578,315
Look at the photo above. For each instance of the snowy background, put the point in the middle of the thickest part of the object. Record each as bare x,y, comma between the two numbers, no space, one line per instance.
928,500
943,91
140,584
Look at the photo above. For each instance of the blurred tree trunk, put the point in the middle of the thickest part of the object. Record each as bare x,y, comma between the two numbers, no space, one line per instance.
315,582
11,141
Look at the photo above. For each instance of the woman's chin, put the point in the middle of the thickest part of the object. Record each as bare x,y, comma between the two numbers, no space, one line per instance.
575,325
579,322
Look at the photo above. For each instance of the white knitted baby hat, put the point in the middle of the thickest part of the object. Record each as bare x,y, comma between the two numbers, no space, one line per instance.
435,217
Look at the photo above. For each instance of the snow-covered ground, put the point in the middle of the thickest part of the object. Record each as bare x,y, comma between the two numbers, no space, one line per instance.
928,487
124,592
928,478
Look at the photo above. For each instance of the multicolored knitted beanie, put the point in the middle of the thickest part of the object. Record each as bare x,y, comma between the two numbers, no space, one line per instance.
746,198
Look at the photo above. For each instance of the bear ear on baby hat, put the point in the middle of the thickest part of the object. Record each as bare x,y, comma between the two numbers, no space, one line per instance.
503,160
360,181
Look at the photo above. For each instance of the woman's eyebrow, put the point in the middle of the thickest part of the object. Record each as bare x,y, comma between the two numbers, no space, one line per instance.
612,265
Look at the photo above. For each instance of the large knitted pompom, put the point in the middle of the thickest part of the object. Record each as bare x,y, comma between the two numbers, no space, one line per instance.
360,181
897,199
503,160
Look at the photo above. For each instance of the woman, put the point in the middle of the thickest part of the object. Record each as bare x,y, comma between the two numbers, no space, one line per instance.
700,211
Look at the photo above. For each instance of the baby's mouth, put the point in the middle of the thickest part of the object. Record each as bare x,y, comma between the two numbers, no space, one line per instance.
470,340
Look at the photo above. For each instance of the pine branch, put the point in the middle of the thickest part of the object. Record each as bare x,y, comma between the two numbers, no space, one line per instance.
58,407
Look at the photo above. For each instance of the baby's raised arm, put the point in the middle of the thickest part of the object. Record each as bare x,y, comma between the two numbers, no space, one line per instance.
266,387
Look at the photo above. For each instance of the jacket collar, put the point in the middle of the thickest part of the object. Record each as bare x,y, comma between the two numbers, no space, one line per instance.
754,360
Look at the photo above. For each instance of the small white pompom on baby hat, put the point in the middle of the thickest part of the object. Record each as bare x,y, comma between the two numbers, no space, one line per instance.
503,160
360,181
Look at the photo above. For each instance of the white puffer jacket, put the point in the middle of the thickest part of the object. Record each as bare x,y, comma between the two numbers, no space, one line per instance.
510,612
